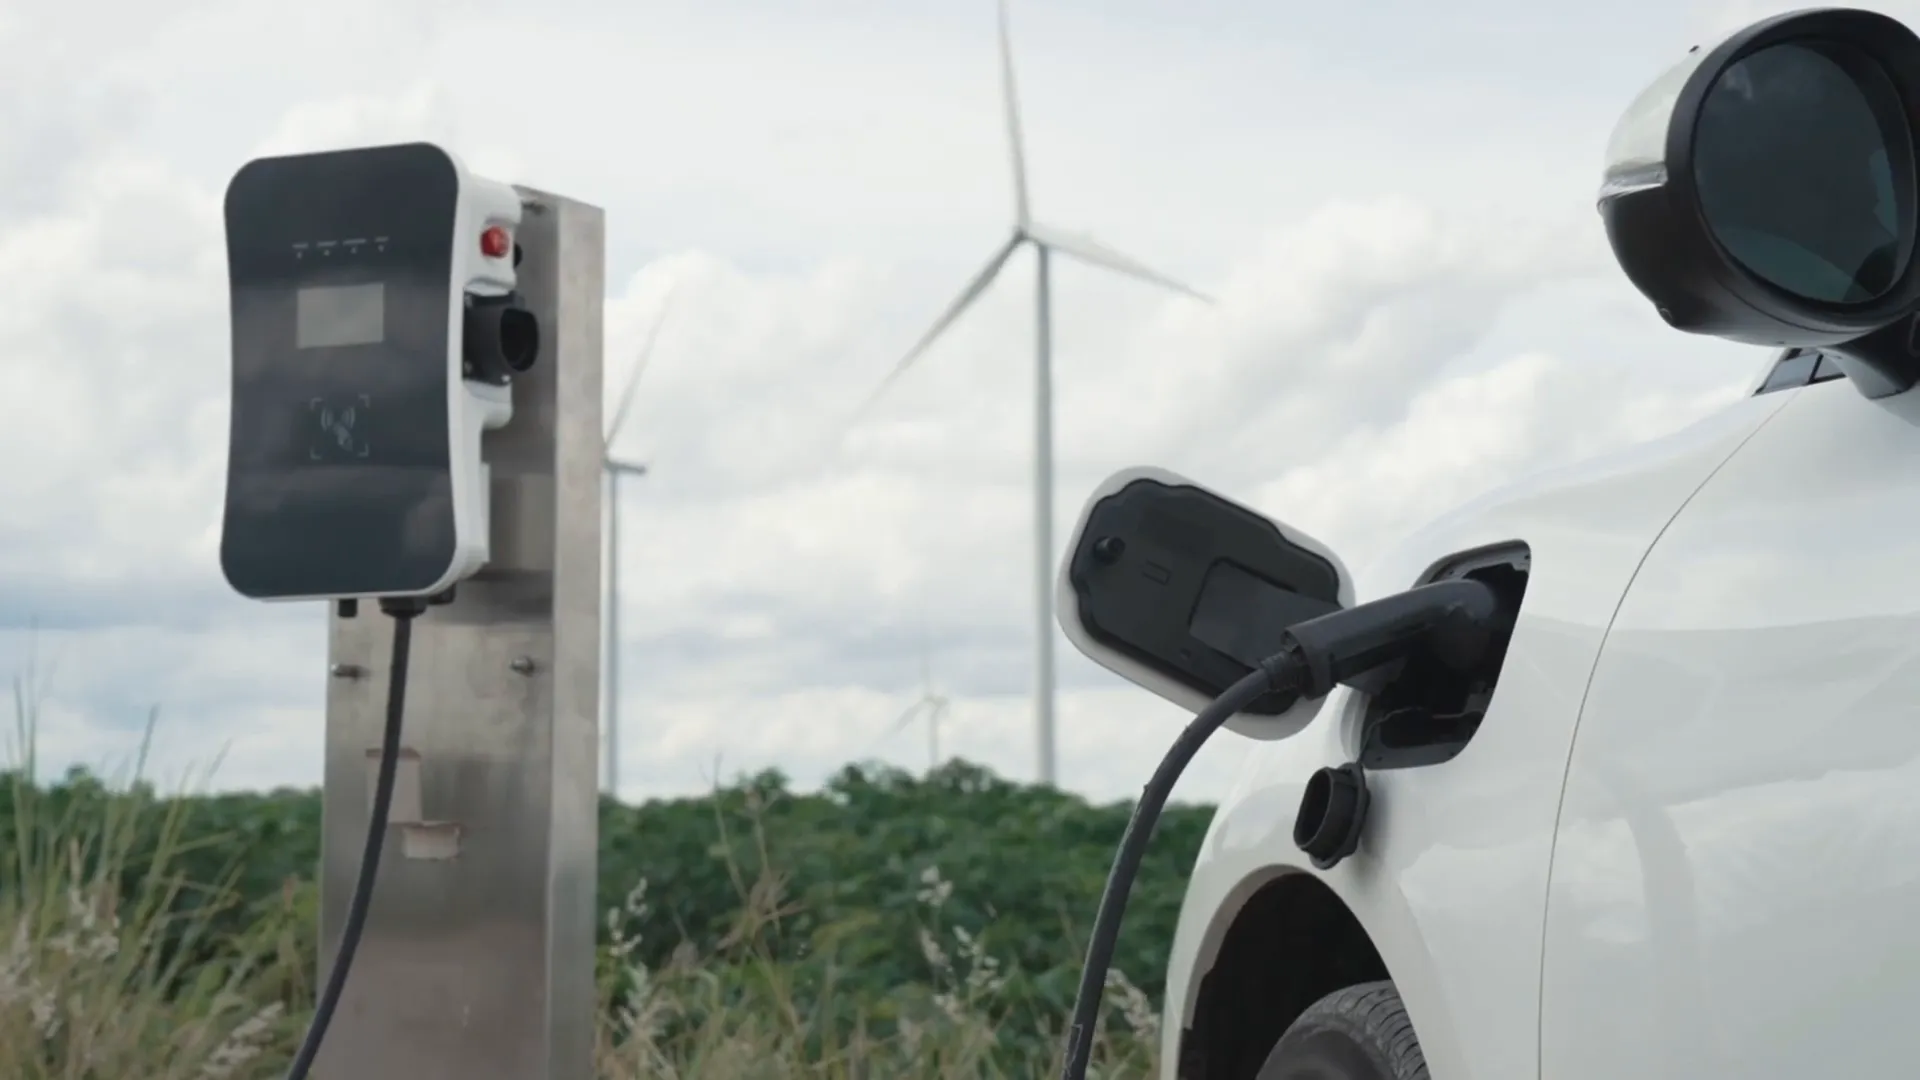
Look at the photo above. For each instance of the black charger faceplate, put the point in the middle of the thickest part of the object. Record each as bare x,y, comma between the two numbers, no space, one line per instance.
339,477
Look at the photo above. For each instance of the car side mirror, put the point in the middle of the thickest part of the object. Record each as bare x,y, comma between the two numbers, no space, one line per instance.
1765,190
1183,592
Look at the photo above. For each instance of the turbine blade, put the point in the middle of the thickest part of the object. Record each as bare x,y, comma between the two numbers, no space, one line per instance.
1011,100
1088,250
640,365
954,310
906,718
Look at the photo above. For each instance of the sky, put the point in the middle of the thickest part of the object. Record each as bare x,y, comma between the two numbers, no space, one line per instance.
1391,203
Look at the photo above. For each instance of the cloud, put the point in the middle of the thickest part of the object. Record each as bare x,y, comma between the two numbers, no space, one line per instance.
114,414
1719,18
1386,342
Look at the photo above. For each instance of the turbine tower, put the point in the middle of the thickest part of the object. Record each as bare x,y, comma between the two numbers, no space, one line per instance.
615,469
1045,240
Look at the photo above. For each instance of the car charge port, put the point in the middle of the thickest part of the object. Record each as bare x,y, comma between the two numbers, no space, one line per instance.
1426,713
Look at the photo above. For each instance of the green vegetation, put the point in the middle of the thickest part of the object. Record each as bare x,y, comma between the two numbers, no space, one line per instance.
907,927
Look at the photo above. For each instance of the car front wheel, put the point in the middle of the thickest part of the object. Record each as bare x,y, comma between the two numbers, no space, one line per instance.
1358,1033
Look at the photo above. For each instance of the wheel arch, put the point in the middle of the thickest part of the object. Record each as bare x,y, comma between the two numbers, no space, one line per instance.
1290,941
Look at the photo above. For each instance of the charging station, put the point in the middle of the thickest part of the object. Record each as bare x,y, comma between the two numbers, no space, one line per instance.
416,441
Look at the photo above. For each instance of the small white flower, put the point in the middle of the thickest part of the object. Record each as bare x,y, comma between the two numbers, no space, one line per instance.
934,890
241,1045
950,1004
1135,1006
46,1015
636,902
936,956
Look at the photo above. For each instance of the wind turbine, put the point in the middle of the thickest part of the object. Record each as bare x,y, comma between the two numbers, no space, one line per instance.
931,705
615,469
1045,240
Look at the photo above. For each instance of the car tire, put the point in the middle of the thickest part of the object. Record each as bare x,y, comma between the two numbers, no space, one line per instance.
1359,1033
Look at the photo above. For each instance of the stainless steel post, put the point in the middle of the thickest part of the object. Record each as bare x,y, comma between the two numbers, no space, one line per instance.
478,957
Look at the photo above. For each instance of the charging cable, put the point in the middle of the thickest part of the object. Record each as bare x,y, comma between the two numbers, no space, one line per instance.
1457,620
403,610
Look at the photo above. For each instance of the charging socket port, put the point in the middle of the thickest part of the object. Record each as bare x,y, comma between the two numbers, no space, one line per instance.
1425,713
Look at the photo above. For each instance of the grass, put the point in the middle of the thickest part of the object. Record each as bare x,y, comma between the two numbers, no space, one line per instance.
101,981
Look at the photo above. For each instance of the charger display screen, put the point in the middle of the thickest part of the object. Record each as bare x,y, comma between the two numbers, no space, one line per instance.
333,316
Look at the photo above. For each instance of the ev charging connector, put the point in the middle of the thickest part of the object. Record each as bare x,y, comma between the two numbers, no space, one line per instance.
377,332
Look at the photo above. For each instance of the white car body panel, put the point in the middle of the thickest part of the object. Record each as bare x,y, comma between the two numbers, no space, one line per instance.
1738,864
1452,877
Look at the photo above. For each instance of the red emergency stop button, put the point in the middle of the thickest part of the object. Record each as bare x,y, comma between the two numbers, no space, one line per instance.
495,243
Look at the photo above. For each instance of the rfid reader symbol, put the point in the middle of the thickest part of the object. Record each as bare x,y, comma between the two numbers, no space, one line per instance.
338,429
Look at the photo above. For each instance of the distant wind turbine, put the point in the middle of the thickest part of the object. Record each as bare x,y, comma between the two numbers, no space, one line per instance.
615,469
1045,240
931,705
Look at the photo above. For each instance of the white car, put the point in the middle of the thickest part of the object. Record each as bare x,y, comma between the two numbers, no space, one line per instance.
1675,831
